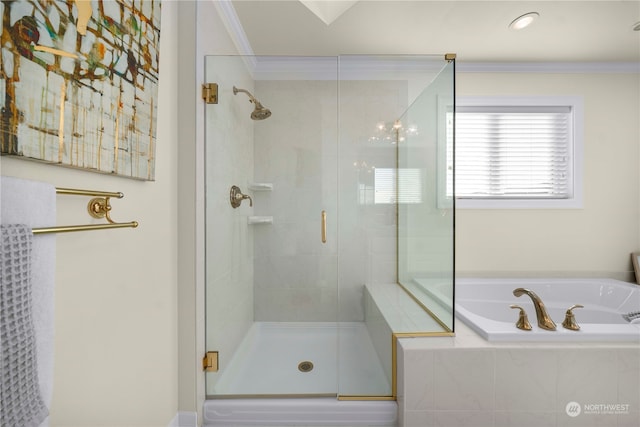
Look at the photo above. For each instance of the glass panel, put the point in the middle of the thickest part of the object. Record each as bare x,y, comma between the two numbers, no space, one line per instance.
426,225
375,91
271,282
368,99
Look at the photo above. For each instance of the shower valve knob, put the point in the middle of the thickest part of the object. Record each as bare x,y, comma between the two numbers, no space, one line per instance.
236,197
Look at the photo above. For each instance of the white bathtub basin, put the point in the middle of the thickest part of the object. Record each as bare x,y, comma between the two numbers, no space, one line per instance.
483,305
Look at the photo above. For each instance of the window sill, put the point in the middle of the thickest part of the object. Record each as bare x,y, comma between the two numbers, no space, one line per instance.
519,204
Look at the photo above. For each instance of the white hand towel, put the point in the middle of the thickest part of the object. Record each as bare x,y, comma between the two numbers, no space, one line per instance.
34,204
21,403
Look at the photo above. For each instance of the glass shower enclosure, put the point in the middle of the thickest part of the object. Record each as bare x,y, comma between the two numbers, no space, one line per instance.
339,190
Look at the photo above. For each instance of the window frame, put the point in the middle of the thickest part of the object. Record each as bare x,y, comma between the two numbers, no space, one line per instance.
577,110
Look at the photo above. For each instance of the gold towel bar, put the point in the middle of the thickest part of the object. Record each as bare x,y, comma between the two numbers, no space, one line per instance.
98,207
73,191
69,228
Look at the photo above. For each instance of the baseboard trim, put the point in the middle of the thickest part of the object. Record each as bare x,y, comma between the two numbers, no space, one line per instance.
185,419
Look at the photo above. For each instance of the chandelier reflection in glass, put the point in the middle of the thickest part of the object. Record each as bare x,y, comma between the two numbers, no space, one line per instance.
392,133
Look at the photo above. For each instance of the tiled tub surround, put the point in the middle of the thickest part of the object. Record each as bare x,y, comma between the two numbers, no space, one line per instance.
467,381
390,310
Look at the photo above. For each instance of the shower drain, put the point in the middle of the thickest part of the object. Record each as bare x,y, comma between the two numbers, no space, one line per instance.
305,366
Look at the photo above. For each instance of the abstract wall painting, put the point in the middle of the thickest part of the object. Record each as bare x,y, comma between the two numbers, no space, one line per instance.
79,83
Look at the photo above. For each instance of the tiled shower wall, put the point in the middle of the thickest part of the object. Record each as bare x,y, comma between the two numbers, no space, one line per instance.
316,151
295,150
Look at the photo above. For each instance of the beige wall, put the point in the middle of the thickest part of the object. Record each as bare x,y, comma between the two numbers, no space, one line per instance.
188,259
115,295
207,36
593,241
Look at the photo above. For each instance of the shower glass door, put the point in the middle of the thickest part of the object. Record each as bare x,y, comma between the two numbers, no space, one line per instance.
271,262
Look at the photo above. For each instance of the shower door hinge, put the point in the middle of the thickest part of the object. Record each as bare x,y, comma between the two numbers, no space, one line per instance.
210,93
210,361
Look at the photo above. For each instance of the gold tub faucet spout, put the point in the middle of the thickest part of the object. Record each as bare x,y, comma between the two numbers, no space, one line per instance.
544,321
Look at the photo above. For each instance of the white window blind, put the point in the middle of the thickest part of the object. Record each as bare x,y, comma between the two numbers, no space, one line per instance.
514,152
409,185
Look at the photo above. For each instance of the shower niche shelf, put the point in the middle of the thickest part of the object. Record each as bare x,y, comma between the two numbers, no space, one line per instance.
260,186
254,220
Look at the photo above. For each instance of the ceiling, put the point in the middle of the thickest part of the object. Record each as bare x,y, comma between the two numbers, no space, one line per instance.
476,30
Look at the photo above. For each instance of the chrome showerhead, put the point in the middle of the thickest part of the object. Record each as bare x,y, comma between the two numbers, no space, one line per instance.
259,112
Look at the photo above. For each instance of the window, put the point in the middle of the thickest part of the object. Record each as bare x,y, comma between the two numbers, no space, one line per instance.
407,180
518,152
388,182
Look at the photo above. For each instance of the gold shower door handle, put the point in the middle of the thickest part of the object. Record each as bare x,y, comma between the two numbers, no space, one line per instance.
323,227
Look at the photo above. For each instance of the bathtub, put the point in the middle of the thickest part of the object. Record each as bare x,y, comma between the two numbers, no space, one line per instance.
266,366
483,305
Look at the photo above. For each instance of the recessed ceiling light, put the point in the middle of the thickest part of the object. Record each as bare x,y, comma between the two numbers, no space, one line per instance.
636,26
523,21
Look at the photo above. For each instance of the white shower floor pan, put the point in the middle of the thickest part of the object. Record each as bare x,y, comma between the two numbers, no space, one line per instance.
266,366
266,362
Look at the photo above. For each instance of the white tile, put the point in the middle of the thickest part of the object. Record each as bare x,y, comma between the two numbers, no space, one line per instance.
582,420
382,270
629,377
587,375
632,419
419,380
525,419
465,379
383,245
417,419
526,380
463,419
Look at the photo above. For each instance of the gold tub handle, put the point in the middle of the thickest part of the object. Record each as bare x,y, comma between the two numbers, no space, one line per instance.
523,321
323,227
570,319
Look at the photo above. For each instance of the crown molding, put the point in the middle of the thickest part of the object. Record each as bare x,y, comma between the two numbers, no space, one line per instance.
236,32
549,67
232,23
